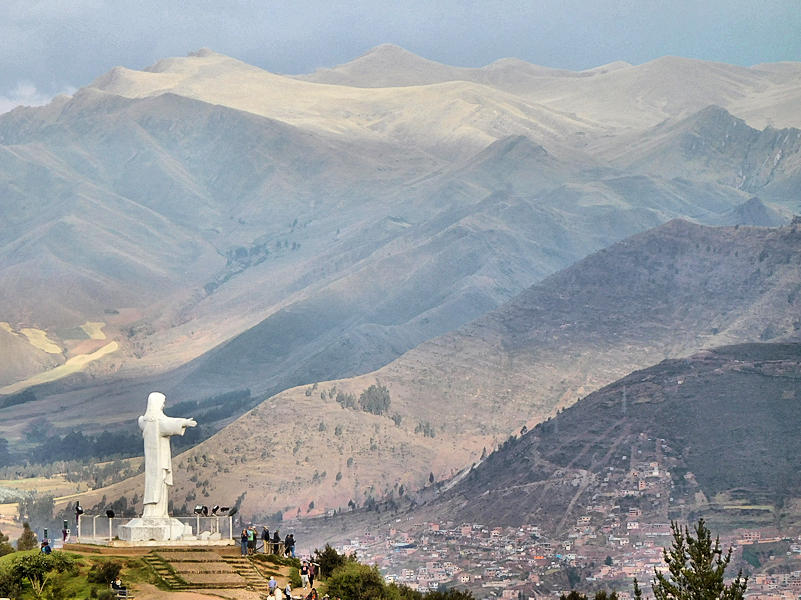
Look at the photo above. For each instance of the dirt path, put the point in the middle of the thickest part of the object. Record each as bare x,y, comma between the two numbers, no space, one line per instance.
146,591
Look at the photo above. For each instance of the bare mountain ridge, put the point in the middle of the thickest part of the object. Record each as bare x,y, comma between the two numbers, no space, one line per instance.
550,230
698,431
303,231
666,293
466,116
713,144
163,154
643,95
136,241
752,212
388,65
183,172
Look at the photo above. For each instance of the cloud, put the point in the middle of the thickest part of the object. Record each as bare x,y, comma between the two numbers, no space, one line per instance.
26,94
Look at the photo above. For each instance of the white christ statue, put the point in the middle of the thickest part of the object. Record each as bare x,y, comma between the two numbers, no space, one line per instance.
157,428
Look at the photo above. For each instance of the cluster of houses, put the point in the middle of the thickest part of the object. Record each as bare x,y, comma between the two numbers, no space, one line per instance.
517,563
612,540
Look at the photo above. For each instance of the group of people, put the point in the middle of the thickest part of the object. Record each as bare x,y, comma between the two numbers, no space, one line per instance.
276,592
307,571
271,545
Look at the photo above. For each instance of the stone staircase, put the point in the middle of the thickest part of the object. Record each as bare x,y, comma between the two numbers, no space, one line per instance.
198,569
164,572
184,569
246,568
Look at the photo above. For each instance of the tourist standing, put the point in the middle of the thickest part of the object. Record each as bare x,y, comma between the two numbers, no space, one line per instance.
311,574
243,539
304,574
265,538
276,542
251,540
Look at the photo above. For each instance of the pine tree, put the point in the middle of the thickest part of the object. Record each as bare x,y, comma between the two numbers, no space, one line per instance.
696,569
27,540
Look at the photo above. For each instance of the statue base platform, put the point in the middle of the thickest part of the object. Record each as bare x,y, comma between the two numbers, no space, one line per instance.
155,529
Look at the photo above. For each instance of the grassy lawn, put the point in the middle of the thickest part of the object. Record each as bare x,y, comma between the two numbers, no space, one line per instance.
76,586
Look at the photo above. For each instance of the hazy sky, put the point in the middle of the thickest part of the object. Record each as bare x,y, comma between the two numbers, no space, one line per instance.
51,46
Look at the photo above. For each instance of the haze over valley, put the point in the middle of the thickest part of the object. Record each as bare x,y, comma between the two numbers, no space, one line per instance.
482,246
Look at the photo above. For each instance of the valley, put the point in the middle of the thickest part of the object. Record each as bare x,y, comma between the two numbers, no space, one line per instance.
489,245
670,292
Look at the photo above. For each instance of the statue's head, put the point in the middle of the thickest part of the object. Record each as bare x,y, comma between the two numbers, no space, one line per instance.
155,403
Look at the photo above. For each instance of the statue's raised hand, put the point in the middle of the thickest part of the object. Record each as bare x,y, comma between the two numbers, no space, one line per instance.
190,423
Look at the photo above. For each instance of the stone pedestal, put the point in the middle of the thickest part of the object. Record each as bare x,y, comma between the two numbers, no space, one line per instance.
159,529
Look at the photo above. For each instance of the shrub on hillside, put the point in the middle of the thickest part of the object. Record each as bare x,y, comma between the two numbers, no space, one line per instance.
37,569
355,581
10,585
330,560
285,561
375,399
104,572
403,592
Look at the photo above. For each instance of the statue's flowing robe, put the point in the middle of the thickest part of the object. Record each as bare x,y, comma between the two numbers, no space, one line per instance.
156,431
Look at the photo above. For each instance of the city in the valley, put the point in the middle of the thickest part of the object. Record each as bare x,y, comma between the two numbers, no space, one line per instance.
608,544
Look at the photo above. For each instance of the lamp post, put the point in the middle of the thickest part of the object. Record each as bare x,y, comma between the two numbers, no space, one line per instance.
78,513
110,515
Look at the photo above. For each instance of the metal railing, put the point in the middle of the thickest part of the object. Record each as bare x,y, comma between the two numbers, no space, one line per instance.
102,529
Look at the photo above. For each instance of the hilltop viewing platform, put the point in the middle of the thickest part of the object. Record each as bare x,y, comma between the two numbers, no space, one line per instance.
104,530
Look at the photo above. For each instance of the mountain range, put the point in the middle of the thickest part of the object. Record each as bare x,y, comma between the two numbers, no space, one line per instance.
204,226
663,294
682,439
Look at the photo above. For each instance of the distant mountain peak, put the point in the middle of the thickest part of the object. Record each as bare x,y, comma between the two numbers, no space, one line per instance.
713,111
753,212
519,145
389,50
390,57
386,65
713,121
202,52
